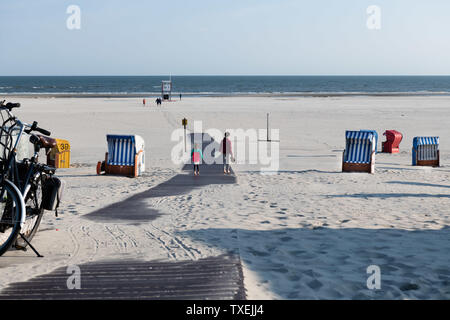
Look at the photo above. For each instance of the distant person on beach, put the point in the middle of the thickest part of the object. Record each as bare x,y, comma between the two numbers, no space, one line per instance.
180,96
158,101
196,156
227,153
143,102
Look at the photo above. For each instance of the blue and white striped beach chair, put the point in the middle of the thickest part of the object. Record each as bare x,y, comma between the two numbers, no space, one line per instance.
375,133
359,153
125,156
425,151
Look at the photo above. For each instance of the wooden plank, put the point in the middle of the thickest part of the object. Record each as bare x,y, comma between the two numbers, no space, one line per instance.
211,278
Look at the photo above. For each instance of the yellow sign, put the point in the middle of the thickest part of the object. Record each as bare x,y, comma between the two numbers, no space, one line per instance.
59,156
62,145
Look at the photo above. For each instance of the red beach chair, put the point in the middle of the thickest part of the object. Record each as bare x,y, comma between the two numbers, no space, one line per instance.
392,143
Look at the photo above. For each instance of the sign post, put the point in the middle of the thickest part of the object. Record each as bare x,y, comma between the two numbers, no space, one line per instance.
184,123
268,138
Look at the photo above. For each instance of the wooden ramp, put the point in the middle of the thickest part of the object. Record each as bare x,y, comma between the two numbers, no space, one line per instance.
211,278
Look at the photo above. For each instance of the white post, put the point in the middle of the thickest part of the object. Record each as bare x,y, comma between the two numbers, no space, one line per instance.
185,142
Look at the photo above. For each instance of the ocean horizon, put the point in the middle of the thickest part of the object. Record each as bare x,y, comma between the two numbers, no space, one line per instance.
225,85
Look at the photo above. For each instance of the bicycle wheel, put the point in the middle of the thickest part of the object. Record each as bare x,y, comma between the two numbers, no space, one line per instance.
11,211
34,212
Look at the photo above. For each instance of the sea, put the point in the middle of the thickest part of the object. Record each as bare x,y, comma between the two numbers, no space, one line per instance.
224,85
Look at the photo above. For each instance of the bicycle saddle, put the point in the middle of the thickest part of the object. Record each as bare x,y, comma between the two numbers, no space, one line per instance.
11,106
47,142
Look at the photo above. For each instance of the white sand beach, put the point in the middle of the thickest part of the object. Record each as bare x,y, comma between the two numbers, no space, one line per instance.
308,231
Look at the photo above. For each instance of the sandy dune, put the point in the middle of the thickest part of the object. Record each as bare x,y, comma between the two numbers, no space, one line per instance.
306,232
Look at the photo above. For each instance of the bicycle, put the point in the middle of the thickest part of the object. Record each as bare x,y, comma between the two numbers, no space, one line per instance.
25,185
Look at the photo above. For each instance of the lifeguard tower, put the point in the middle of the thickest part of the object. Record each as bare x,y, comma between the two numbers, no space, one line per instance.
166,90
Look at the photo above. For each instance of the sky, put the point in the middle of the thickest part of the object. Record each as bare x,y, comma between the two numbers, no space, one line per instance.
224,37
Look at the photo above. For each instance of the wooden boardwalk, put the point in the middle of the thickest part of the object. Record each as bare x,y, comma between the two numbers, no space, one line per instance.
211,278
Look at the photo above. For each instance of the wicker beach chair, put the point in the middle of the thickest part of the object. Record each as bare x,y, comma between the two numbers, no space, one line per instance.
425,151
375,134
392,143
359,153
125,156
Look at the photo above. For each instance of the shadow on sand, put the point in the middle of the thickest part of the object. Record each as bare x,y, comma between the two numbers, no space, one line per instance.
211,278
326,263
137,209
420,184
294,171
388,195
396,168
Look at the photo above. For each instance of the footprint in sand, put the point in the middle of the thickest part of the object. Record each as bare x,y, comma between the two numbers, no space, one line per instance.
409,287
280,270
315,284
265,222
296,253
293,277
257,253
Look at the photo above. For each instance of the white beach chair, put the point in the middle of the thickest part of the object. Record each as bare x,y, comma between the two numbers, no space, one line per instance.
125,156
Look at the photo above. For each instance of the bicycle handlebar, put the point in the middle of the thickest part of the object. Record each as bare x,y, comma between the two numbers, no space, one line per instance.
34,127
9,106
43,131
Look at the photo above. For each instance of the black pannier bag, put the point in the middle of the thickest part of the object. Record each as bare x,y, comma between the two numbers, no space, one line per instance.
52,190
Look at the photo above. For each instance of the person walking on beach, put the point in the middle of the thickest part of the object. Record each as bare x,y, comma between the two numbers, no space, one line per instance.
227,153
196,157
